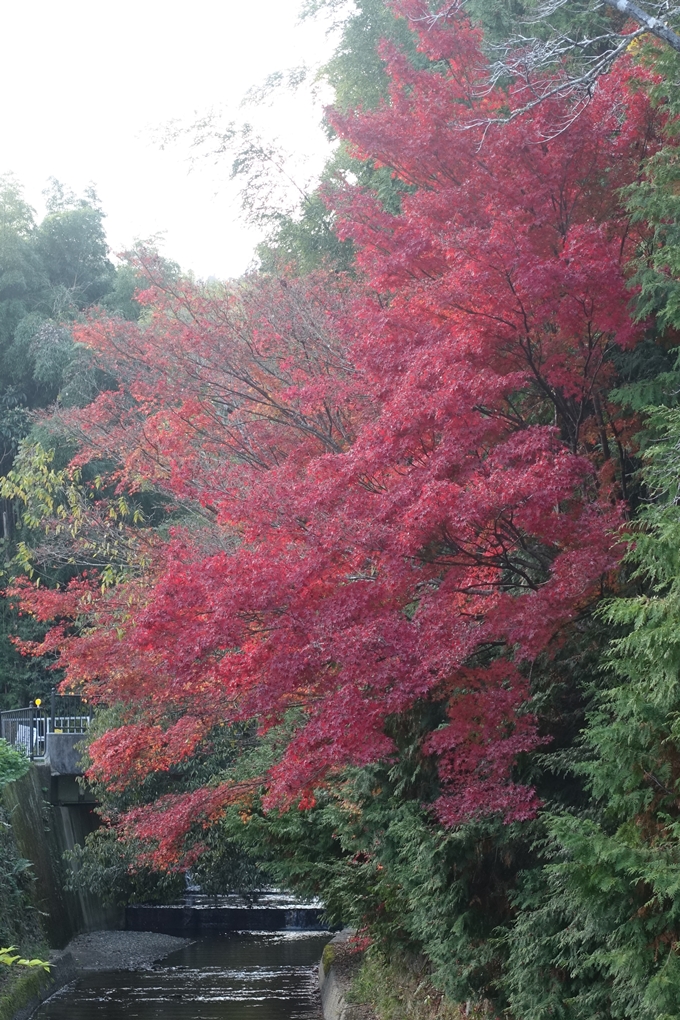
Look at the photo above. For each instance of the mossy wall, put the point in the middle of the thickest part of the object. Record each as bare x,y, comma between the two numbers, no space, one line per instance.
43,832
19,988
19,921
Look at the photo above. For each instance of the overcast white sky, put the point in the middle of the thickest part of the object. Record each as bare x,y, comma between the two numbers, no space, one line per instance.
84,82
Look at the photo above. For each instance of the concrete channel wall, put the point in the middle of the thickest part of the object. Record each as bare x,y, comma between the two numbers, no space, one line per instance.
43,831
338,968
188,920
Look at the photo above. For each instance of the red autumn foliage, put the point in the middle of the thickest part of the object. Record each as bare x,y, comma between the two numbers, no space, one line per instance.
404,479
165,825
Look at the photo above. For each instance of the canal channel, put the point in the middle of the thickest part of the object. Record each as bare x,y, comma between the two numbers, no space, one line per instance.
234,975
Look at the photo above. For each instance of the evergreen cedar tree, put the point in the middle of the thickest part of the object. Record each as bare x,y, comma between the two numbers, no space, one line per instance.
412,478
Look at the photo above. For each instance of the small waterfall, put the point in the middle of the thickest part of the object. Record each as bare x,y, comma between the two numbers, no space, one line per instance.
268,910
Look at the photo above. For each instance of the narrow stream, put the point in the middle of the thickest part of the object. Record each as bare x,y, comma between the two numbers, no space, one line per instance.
251,976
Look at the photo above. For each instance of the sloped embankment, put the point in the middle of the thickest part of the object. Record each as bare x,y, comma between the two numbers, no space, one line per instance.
358,985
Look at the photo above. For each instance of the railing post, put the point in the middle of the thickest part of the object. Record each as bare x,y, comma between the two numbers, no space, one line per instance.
39,720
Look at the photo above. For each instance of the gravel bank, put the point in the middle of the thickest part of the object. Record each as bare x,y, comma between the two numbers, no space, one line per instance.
121,950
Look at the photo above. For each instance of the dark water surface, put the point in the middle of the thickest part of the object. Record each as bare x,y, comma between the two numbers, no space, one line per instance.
253,976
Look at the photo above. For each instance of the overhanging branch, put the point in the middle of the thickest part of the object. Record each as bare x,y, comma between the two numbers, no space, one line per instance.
652,24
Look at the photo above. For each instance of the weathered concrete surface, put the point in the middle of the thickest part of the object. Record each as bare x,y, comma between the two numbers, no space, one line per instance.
192,920
37,842
42,833
338,968
67,790
63,754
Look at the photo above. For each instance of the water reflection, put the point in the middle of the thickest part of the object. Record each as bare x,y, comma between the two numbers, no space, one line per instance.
253,976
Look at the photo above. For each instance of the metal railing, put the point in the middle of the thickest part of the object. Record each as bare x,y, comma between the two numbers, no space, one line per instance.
28,727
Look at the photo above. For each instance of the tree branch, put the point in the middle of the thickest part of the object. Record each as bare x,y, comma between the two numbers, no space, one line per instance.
652,24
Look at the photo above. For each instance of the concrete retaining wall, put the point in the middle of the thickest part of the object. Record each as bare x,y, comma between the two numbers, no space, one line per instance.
179,919
63,753
337,970
42,833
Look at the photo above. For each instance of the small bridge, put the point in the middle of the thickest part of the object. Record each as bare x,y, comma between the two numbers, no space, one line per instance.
49,734
51,810
30,728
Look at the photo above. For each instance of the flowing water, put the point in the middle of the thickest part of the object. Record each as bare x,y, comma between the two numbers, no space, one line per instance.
239,976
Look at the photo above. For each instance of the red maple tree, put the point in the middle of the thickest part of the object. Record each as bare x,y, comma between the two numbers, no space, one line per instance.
406,483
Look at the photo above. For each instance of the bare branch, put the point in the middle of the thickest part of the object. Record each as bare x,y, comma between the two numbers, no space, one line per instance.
558,63
654,25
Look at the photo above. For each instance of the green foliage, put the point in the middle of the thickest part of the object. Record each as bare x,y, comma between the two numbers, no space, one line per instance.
654,201
9,958
120,299
355,71
305,243
71,245
18,988
19,921
598,926
21,678
380,862
14,426
503,20
50,272
57,500
13,763
399,986
107,867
